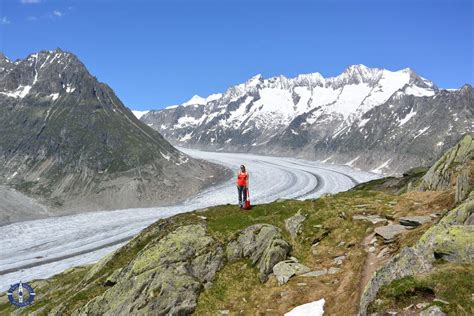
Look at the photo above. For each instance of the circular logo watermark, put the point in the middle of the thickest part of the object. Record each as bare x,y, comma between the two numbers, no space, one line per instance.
21,294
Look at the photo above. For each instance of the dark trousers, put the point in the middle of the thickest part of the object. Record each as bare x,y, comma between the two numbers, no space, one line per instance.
242,191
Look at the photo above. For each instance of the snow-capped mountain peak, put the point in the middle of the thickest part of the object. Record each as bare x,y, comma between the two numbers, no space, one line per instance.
195,100
361,108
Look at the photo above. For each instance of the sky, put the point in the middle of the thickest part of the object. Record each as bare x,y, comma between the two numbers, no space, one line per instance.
159,53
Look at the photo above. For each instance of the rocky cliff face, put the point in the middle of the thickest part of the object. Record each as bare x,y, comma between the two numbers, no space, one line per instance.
66,139
369,118
454,169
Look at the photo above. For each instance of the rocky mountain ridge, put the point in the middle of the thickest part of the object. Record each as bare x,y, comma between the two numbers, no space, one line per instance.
67,140
369,118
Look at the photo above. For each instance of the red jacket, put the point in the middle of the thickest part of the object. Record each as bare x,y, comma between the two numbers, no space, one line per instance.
243,179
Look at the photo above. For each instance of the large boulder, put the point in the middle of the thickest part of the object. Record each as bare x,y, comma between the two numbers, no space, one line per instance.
455,163
262,244
165,278
455,244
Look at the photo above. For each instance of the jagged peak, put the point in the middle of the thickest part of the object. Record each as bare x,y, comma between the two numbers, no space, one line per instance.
196,99
4,58
255,80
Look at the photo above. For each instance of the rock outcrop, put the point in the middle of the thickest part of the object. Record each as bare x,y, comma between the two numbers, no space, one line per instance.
454,168
262,244
293,224
452,237
165,278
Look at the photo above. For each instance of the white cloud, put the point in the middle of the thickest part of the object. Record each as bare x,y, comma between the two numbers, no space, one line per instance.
32,18
4,20
30,1
57,13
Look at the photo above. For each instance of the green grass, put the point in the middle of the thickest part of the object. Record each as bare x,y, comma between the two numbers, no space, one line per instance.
234,280
453,283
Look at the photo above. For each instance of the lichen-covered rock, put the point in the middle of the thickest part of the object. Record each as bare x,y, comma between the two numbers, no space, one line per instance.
442,175
462,186
293,224
165,278
284,270
455,244
262,244
420,257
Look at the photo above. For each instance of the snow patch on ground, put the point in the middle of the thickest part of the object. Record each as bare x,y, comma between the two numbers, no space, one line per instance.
350,163
167,157
379,169
315,308
363,122
20,92
421,131
407,118
54,96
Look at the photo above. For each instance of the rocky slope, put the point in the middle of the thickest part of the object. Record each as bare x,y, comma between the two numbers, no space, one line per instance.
345,248
369,118
68,141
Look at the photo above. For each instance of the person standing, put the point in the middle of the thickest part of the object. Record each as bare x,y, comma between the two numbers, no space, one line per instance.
242,185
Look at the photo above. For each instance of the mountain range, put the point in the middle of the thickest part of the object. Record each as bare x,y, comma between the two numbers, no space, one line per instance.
368,118
67,141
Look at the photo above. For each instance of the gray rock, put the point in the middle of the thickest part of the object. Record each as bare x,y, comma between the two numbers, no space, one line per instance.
433,311
455,244
284,270
333,270
293,224
315,273
414,220
389,232
462,186
262,244
339,260
374,219
165,278
451,166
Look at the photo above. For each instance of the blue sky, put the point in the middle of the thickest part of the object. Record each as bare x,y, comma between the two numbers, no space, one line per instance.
158,53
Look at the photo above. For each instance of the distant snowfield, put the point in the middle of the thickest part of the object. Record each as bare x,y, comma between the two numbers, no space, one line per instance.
139,114
42,248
